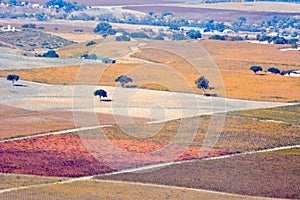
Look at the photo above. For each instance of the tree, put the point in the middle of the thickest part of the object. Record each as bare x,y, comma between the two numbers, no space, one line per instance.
202,83
100,93
194,34
51,54
256,68
123,79
274,70
13,78
104,28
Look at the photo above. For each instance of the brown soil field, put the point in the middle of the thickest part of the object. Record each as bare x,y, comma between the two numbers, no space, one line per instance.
272,174
102,189
65,155
222,15
17,122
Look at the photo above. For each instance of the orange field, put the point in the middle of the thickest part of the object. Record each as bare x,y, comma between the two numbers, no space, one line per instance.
233,59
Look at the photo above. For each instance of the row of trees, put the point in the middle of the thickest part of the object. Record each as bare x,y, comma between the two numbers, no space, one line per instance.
202,83
272,70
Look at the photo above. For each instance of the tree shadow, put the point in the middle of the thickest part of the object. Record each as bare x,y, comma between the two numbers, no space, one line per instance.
106,100
260,74
210,95
130,86
20,85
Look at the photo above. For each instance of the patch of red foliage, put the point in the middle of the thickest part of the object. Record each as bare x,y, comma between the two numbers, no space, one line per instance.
66,155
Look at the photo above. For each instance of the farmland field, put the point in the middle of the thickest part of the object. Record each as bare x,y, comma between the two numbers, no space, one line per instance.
252,6
233,66
16,122
160,136
223,15
272,174
288,114
101,189
19,180
66,154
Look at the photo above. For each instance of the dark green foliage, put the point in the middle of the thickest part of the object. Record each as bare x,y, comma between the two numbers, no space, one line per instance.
90,43
139,35
104,28
178,37
279,40
29,26
217,37
284,72
100,93
194,34
123,79
202,83
274,70
13,78
50,54
256,68
66,6
123,38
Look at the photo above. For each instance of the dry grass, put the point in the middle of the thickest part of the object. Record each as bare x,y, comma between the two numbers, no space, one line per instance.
18,180
101,189
78,37
289,114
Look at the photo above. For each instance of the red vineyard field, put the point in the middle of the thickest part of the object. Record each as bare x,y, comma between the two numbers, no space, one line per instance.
65,155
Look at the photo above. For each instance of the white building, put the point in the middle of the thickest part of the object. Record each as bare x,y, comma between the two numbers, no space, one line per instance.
227,31
9,28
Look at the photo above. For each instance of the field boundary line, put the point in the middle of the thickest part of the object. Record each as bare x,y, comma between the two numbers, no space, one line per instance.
55,133
165,164
45,184
95,177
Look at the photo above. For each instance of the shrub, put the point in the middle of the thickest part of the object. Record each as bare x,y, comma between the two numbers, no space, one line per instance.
256,68
217,37
274,70
90,43
50,54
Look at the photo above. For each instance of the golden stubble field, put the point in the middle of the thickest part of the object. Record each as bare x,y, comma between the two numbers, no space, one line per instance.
165,70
